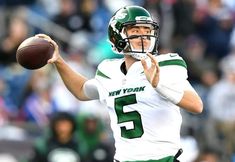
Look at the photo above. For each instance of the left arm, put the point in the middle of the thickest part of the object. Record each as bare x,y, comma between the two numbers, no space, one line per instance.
186,99
191,102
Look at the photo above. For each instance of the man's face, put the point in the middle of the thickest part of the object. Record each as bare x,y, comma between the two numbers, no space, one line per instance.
64,129
137,42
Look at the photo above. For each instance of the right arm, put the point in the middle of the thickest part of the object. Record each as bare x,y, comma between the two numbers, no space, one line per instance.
73,81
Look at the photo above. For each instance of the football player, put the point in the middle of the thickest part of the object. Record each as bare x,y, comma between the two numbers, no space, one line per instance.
143,91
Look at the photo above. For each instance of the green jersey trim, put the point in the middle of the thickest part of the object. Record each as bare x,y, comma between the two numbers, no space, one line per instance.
173,62
99,73
162,63
166,159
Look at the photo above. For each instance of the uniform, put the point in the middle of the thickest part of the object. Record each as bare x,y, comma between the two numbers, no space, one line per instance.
145,120
145,125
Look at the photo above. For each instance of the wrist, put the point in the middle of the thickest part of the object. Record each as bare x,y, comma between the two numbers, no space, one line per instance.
59,60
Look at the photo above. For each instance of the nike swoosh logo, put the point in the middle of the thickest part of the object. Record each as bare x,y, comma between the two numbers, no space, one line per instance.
173,55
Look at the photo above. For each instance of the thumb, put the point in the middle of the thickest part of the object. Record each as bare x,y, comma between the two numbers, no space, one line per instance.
53,59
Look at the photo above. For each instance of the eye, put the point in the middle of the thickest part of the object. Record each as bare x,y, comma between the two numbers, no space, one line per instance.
135,31
147,31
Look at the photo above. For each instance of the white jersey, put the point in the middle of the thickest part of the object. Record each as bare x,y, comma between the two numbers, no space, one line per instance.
145,125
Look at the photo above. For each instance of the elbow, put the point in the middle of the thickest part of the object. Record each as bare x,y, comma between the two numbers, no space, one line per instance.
192,102
197,107
193,106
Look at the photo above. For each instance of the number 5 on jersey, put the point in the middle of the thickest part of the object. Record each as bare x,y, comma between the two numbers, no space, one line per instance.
132,116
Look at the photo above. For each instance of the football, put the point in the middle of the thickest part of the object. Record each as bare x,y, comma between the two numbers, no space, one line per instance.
34,52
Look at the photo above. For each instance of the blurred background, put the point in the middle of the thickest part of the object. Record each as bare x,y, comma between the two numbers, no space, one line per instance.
33,101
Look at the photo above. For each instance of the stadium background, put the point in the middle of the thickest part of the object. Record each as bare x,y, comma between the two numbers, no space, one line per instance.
201,31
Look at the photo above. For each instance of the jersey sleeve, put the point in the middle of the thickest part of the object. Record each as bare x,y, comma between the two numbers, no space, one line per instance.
173,68
173,71
101,77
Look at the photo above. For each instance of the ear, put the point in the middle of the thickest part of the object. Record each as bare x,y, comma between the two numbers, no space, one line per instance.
121,45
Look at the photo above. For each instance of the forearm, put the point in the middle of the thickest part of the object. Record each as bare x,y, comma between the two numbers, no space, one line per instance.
72,80
187,99
191,102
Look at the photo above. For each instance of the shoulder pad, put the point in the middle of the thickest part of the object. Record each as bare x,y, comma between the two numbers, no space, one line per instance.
106,67
171,59
173,67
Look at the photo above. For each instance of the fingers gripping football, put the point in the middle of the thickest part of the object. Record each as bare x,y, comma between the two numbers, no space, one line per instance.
56,54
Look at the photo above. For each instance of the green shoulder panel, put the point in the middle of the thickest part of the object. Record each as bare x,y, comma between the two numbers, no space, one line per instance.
101,74
103,67
178,62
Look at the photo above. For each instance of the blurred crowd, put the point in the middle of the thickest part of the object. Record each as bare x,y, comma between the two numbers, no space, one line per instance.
32,101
